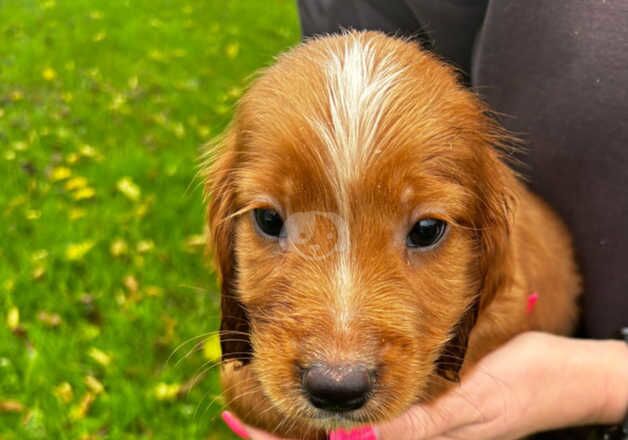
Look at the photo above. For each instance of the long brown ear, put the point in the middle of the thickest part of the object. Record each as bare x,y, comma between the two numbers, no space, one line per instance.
495,189
234,326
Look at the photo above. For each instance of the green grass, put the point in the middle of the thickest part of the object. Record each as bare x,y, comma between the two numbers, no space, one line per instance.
103,108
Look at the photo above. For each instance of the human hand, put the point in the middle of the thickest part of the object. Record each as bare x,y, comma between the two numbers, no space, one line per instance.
533,383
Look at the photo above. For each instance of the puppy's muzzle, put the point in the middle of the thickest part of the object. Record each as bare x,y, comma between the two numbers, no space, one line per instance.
338,388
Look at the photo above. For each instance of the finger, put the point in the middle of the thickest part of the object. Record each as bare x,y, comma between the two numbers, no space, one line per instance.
415,424
244,431
453,410
235,425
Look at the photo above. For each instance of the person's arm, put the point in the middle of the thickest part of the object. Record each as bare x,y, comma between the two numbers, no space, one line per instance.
535,382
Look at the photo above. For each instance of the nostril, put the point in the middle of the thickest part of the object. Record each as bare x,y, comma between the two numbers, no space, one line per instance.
338,388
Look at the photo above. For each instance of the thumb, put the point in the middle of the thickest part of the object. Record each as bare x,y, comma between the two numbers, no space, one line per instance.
427,421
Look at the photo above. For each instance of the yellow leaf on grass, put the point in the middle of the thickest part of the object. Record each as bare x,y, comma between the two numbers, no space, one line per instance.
48,74
119,247
144,246
11,406
77,251
153,291
99,356
60,173
211,348
32,214
84,193
49,319
72,158
165,391
38,272
79,411
76,183
100,36
129,188
76,213
88,151
16,95
130,282
13,318
39,255
232,50
94,384
64,392
196,241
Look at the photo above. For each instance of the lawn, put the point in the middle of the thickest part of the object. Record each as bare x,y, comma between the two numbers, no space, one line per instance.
104,106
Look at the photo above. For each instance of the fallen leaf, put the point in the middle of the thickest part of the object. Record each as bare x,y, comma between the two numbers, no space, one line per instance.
76,213
79,411
144,246
165,391
60,173
84,193
232,50
100,356
38,272
13,318
77,251
11,406
153,291
129,188
49,319
119,247
48,74
75,183
94,384
130,282
211,348
64,392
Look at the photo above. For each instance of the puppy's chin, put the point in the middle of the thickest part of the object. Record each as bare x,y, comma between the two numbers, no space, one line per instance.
293,417
244,396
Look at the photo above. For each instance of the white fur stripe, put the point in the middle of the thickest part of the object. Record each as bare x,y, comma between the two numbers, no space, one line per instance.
358,87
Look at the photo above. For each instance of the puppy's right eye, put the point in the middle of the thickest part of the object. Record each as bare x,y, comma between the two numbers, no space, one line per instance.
268,222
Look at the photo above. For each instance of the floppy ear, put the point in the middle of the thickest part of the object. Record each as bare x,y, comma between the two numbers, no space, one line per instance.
234,326
495,189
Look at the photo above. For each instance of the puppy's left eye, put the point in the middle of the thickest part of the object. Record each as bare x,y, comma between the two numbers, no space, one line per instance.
426,233
268,222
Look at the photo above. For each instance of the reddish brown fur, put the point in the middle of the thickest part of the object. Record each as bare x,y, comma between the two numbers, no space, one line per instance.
434,138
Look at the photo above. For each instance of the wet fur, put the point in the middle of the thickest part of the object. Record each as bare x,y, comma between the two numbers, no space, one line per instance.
425,143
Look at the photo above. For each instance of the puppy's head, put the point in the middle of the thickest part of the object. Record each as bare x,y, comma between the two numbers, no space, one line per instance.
359,217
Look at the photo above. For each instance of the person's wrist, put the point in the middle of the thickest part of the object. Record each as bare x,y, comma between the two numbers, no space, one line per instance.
614,404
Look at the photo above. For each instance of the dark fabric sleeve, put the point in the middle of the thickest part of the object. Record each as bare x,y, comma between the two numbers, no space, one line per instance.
558,72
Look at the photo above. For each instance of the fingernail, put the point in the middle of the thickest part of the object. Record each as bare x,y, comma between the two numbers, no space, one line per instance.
235,425
365,433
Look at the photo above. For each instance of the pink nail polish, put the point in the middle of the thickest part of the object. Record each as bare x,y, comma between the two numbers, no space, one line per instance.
366,433
235,425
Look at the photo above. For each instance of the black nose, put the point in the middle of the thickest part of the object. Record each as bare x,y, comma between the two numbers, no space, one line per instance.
338,388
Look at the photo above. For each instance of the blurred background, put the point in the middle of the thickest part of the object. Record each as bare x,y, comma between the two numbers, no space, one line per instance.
107,300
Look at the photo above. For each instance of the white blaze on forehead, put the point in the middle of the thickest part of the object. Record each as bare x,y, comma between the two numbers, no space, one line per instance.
358,85
359,82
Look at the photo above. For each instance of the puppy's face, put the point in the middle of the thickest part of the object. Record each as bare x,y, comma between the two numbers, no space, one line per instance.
357,206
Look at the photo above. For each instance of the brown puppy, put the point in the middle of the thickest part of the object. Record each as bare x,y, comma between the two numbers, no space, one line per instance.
370,238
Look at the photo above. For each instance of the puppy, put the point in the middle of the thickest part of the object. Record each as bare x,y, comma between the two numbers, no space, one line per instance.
370,240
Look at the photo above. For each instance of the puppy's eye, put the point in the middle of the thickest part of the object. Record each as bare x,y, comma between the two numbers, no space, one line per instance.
268,221
425,233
